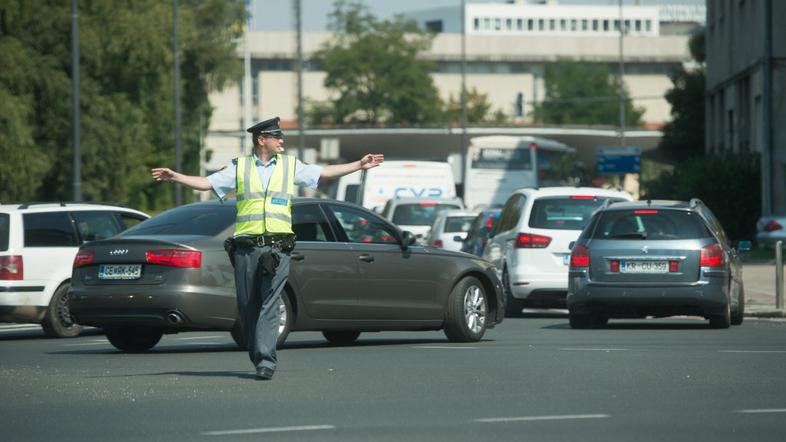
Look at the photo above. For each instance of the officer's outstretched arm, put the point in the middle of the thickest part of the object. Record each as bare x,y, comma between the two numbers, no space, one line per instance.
169,175
367,162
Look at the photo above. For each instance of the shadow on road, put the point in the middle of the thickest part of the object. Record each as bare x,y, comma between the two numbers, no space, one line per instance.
639,325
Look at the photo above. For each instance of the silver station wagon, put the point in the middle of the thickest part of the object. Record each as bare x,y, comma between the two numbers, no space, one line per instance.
655,258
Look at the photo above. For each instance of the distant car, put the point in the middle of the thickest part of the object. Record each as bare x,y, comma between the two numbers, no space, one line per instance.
351,272
655,258
450,229
770,230
38,242
417,214
529,244
479,231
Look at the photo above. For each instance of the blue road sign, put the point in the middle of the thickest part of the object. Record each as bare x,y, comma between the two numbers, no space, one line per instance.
619,160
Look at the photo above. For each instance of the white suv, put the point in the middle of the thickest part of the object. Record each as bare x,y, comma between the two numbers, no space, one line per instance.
529,244
38,243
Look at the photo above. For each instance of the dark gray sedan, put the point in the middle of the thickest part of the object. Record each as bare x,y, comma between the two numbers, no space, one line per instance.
351,272
656,258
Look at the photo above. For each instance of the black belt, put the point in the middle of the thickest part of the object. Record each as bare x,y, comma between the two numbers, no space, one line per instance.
261,240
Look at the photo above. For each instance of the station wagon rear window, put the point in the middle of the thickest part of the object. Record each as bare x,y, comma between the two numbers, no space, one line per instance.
458,223
650,224
564,212
207,220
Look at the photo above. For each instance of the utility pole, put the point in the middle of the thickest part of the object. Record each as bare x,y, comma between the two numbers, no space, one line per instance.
75,97
247,85
767,150
464,158
299,67
621,80
178,155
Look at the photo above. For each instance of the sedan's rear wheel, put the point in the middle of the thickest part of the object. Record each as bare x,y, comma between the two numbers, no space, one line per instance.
465,319
341,337
738,314
58,322
133,340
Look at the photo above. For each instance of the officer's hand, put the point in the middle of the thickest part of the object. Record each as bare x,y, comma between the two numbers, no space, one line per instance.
163,174
371,160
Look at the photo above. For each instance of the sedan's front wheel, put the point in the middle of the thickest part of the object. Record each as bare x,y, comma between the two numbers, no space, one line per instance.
132,339
465,319
341,337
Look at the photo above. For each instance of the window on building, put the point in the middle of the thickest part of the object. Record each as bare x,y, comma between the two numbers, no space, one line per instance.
595,25
585,25
638,26
541,24
647,26
627,26
552,24
497,24
434,26
530,24
605,25
509,24
476,24
574,25
616,25
563,25
519,24
486,24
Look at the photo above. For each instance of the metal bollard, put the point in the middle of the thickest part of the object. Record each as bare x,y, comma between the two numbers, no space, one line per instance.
779,275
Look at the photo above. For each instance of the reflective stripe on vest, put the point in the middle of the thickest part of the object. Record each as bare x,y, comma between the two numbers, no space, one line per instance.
260,210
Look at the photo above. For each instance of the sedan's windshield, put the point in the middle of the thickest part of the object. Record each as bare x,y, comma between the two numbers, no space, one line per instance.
206,220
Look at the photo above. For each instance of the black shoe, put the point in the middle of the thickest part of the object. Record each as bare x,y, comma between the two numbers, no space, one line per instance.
264,374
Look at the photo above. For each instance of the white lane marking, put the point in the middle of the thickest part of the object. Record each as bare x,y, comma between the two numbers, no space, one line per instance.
593,349
444,347
764,410
200,337
269,430
19,327
94,342
751,351
543,418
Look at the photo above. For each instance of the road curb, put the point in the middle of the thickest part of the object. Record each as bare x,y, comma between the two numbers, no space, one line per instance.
766,313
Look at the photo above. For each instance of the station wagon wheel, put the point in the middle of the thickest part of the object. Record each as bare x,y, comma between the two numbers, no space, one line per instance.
133,339
341,337
513,306
722,320
465,319
58,322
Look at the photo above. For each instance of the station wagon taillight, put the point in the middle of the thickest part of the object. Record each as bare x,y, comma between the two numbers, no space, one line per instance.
532,241
175,258
83,258
711,256
579,256
12,268
438,243
772,226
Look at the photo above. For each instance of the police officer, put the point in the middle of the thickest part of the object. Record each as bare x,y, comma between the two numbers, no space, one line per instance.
264,183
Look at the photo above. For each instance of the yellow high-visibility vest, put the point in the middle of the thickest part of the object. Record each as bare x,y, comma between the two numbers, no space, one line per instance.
259,210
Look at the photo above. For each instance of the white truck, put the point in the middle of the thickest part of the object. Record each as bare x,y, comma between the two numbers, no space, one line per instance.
405,179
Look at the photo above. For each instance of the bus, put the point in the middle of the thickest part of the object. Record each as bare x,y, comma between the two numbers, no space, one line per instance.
497,165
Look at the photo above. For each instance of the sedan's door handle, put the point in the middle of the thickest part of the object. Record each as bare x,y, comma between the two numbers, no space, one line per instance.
297,256
366,258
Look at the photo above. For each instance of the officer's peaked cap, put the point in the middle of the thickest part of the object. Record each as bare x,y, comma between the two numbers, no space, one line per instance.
267,127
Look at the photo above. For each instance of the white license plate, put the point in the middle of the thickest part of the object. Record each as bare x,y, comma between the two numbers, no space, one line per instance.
119,271
644,267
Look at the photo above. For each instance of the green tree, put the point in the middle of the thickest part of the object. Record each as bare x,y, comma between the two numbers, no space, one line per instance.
583,93
374,72
478,107
683,136
126,90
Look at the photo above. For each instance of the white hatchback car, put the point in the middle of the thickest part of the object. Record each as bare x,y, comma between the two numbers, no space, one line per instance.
450,229
38,243
529,244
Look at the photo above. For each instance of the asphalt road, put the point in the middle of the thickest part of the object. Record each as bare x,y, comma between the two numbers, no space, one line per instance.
531,379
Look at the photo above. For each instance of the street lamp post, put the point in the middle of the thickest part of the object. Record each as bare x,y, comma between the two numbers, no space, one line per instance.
75,97
178,155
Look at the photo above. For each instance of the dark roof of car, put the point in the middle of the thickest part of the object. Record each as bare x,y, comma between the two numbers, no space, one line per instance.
297,200
649,204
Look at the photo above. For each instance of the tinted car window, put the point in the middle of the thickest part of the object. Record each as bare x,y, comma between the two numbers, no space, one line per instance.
310,224
419,214
649,224
96,225
49,230
510,213
458,223
563,213
5,220
206,220
360,227
128,220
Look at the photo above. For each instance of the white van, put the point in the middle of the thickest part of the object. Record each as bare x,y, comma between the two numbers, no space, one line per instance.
348,187
406,179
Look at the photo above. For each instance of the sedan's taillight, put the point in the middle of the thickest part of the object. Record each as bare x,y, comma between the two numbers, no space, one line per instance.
83,258
532,241
711,256
12,268
174,258
579,256
772,226
438,243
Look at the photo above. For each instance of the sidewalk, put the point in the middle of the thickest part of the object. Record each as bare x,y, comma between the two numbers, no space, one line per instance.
759,280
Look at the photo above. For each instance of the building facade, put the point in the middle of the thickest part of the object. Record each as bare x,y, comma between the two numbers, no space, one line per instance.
746,88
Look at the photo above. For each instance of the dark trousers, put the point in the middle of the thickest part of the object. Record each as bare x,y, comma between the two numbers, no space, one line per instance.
258,302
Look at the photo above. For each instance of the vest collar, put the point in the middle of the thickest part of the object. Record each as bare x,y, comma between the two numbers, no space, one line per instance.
258,161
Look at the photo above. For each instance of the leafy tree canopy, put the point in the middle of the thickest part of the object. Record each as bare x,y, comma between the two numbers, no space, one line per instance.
373,70
126,94
583,93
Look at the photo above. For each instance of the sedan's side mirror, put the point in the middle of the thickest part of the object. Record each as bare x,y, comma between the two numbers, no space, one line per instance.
571,244
458,238
407,239
744,246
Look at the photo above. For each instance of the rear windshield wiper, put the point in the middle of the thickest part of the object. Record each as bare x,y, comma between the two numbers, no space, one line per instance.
631,235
